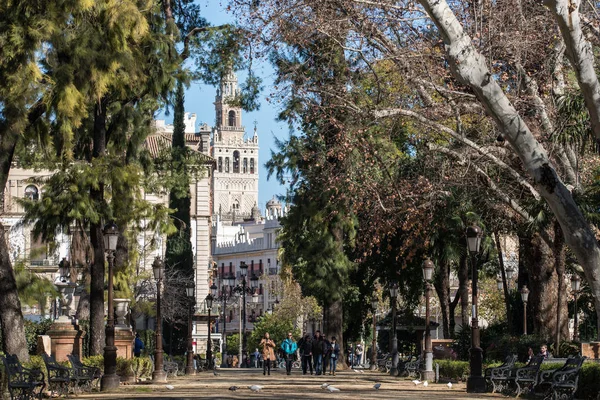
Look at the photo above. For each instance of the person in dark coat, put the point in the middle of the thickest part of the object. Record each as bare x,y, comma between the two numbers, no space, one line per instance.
326,354
317,351
305,346
334,355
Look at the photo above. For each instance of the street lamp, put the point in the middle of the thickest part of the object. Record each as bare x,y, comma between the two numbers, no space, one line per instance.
374,304
524,297
394,299
228,282
575,284
428,374
499,283
476,381
158,375
110,380
243,289
510,272
191,295
209,304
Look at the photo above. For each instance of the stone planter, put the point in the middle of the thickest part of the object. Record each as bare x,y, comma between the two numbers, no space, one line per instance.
121,310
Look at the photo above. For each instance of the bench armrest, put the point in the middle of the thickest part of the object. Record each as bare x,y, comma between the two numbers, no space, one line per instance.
566,377
527,373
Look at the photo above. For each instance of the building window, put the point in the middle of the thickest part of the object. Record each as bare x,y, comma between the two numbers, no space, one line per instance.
252,165
236,205
231,118
32,193
220,164
245,166
226,164
236,162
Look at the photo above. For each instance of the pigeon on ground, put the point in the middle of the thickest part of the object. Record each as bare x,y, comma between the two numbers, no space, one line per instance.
170,387
233,388
332,389
255,388
425,384
416,382
216,374
449,385
324,386
377,386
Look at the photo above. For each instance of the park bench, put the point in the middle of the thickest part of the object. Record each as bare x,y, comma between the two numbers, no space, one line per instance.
500,377
384,363
413,368
528,375
562,383
170,367
22,382
60,378
86,377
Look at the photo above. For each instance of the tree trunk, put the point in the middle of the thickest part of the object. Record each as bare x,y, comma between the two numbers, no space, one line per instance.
334,315
504,284
543,283
580,54
11,317
562,326
97,241
452,308
463,287
442,288
470,67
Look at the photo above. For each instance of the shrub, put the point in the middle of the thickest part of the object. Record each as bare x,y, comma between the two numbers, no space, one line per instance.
94,361
32,330
142,367
589,381
124,367
451,369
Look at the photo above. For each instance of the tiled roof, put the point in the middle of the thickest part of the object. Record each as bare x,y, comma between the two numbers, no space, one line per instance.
158,142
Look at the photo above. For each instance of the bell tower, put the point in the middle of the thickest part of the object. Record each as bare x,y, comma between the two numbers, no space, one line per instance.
235,179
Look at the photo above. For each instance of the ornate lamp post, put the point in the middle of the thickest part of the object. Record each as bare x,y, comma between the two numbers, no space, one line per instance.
158,375
191,295
394,299
110,380
499,283
428,374
209,304
510,272
476,381
228,281
575,284
524,297
374,304
243,289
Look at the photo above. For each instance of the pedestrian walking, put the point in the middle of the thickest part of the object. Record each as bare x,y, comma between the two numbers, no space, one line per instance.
256,356
268,354
289,347
334,355
138,346
326,354
305,346
359,353
317,351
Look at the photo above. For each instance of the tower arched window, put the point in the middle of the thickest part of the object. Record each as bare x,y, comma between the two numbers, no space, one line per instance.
220,164
236,162
32,193
231,118
236,205
252,165
245,166
226,164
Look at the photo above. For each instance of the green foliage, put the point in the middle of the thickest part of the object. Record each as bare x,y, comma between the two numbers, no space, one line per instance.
94,361
497,346
32,330
276,327
233,344
148,337
462,343
33,289
125,367
450,369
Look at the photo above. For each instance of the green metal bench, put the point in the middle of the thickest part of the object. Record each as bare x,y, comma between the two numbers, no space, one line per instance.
501,377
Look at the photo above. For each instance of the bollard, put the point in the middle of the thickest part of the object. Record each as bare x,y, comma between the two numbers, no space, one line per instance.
437,372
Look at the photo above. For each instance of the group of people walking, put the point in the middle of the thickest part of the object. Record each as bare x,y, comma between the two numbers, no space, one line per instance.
317,352
320,353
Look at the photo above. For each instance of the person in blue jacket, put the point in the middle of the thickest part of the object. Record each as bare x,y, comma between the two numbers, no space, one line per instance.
289,348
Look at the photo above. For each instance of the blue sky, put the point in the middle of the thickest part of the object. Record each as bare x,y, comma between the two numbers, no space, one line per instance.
199,99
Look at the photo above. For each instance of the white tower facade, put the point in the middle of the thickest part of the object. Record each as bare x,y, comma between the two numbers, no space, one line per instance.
235,179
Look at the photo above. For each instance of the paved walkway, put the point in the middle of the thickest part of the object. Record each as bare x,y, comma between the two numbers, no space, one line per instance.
352,385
